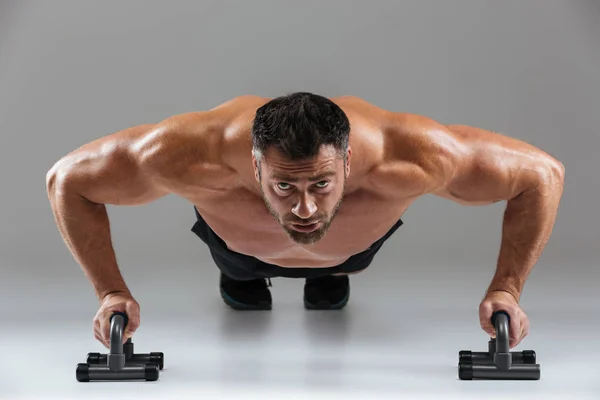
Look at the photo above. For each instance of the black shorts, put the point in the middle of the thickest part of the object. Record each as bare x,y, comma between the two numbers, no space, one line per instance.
243,267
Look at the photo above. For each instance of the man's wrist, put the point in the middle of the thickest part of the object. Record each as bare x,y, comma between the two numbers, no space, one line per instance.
105,293
506,285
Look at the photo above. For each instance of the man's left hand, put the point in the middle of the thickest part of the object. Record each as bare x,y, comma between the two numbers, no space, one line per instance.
504,301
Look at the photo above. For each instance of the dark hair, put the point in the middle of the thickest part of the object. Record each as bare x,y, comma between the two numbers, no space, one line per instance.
298,124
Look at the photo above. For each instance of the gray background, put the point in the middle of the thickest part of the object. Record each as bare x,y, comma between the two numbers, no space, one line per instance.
73,71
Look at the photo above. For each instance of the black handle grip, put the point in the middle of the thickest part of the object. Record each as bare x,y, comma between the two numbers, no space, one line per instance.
497,314
122,314
116,357
501,321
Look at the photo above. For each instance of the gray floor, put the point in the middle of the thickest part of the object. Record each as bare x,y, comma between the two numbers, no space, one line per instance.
400,335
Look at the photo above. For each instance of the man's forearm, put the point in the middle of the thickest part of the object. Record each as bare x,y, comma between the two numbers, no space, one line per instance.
528,222
85,229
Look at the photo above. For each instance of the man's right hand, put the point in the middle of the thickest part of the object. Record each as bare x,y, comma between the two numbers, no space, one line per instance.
118,301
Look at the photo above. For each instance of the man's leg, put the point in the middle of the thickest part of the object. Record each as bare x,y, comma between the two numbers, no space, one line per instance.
326,293
239,288
250,294
332,292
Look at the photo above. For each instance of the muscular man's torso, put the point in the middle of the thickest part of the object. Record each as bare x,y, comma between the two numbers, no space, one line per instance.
235,210
206,158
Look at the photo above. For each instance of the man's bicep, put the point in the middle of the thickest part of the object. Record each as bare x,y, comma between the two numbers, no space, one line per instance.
109,170
490,167
479,178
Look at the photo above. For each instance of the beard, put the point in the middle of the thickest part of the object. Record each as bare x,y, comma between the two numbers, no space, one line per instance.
306,237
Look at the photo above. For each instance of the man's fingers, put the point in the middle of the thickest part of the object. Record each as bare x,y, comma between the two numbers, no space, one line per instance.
485,315
519,326
98,329
489,329
524,330
518,322
518,334
102,324
514,328
105,328
118,302
97,336
486,311
101,338
133,315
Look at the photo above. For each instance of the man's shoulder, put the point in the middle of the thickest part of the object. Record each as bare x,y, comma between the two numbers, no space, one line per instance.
396,125
201,140
416,151
209,125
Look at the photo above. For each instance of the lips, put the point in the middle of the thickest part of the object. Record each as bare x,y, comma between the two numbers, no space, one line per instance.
306,227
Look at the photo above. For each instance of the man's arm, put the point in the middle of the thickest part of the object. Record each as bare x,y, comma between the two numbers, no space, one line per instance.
474,166
124,168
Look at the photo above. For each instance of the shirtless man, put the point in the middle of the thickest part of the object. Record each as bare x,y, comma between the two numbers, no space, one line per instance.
302,186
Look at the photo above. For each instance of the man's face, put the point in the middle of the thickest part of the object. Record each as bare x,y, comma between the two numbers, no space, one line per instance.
303,196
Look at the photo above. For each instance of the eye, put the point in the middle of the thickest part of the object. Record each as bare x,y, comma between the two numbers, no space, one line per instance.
283,185
322,184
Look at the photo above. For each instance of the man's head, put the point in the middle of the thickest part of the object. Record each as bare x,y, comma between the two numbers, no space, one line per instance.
301,160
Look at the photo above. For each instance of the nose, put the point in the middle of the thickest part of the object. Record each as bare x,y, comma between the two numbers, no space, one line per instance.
305,208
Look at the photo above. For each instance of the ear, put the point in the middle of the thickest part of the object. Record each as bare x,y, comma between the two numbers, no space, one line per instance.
256,166
349,157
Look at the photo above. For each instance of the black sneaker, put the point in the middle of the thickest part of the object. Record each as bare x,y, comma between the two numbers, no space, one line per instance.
246,295
326,293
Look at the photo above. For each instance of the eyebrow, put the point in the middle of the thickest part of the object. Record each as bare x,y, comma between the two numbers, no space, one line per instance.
287,178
